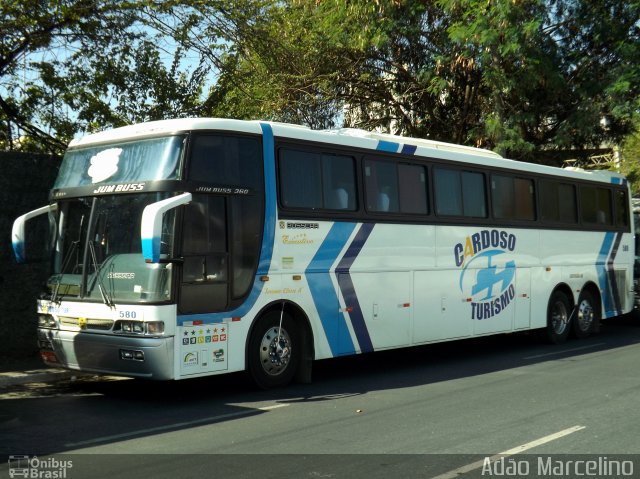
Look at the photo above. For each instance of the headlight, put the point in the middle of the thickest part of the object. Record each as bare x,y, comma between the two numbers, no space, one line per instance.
46,321
155,327
152,328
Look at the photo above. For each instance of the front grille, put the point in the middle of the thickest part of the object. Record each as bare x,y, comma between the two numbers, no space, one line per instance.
83,324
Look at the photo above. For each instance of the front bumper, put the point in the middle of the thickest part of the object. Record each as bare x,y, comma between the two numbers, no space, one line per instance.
108,353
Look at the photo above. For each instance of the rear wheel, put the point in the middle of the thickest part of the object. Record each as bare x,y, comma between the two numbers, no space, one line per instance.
274,350
586,316
558,318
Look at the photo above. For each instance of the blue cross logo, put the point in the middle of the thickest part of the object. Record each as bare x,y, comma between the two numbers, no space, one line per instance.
488,277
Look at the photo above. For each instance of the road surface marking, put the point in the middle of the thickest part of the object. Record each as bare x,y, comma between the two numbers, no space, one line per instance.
269,408
509,452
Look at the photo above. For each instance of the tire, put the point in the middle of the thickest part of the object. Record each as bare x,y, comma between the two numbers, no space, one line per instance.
271,365
558,318
586,317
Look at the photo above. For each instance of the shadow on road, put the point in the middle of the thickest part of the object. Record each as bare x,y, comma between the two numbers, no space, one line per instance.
91,411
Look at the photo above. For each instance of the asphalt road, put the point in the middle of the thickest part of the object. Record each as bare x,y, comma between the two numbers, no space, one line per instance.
420,412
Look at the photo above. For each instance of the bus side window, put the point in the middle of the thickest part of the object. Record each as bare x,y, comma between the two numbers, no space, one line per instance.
381,184
474,199
300,179
622,209
413,189
226,160
595,205
448,192
567,203
338,182
604,207
557,202
460,193
512,198
316,180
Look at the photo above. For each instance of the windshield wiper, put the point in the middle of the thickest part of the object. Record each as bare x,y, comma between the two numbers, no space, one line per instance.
105,297
65,263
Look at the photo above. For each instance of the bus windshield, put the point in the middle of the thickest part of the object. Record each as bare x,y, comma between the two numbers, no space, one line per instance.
141,160
97,253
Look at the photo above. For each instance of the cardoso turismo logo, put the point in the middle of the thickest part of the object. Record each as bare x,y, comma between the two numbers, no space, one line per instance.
487,271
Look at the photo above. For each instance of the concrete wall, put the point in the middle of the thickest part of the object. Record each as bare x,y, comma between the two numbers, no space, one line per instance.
25,181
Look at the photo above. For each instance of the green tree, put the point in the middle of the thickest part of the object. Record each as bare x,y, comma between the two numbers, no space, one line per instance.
630,160
271,59
69,66
554,70
517,76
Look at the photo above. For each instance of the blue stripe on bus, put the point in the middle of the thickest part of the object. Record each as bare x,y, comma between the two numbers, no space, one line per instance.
18,251
266,251
615,292
390,146
617,297
348,290
619,181
603,274
409,149
268,148
151,248
323,292
393,147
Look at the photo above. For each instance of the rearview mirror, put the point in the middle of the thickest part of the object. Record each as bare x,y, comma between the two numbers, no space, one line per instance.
18,236
151,226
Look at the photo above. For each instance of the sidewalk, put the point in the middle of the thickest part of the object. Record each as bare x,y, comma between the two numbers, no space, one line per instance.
15,372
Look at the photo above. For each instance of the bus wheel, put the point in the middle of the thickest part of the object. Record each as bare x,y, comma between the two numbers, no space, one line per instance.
558,314
274,350
586,316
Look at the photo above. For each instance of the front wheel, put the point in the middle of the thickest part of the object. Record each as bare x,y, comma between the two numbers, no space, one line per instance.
558,318
586,317
274,350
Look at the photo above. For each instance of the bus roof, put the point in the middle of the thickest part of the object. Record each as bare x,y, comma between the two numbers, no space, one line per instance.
349,137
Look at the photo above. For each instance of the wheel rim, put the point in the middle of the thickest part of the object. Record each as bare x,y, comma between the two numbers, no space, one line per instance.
585,315
559,317
275,351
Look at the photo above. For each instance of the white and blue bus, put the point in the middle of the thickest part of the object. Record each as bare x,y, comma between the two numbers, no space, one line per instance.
193,247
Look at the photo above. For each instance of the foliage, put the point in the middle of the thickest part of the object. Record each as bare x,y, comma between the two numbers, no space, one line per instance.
519,76
68,66
272,63
630,160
